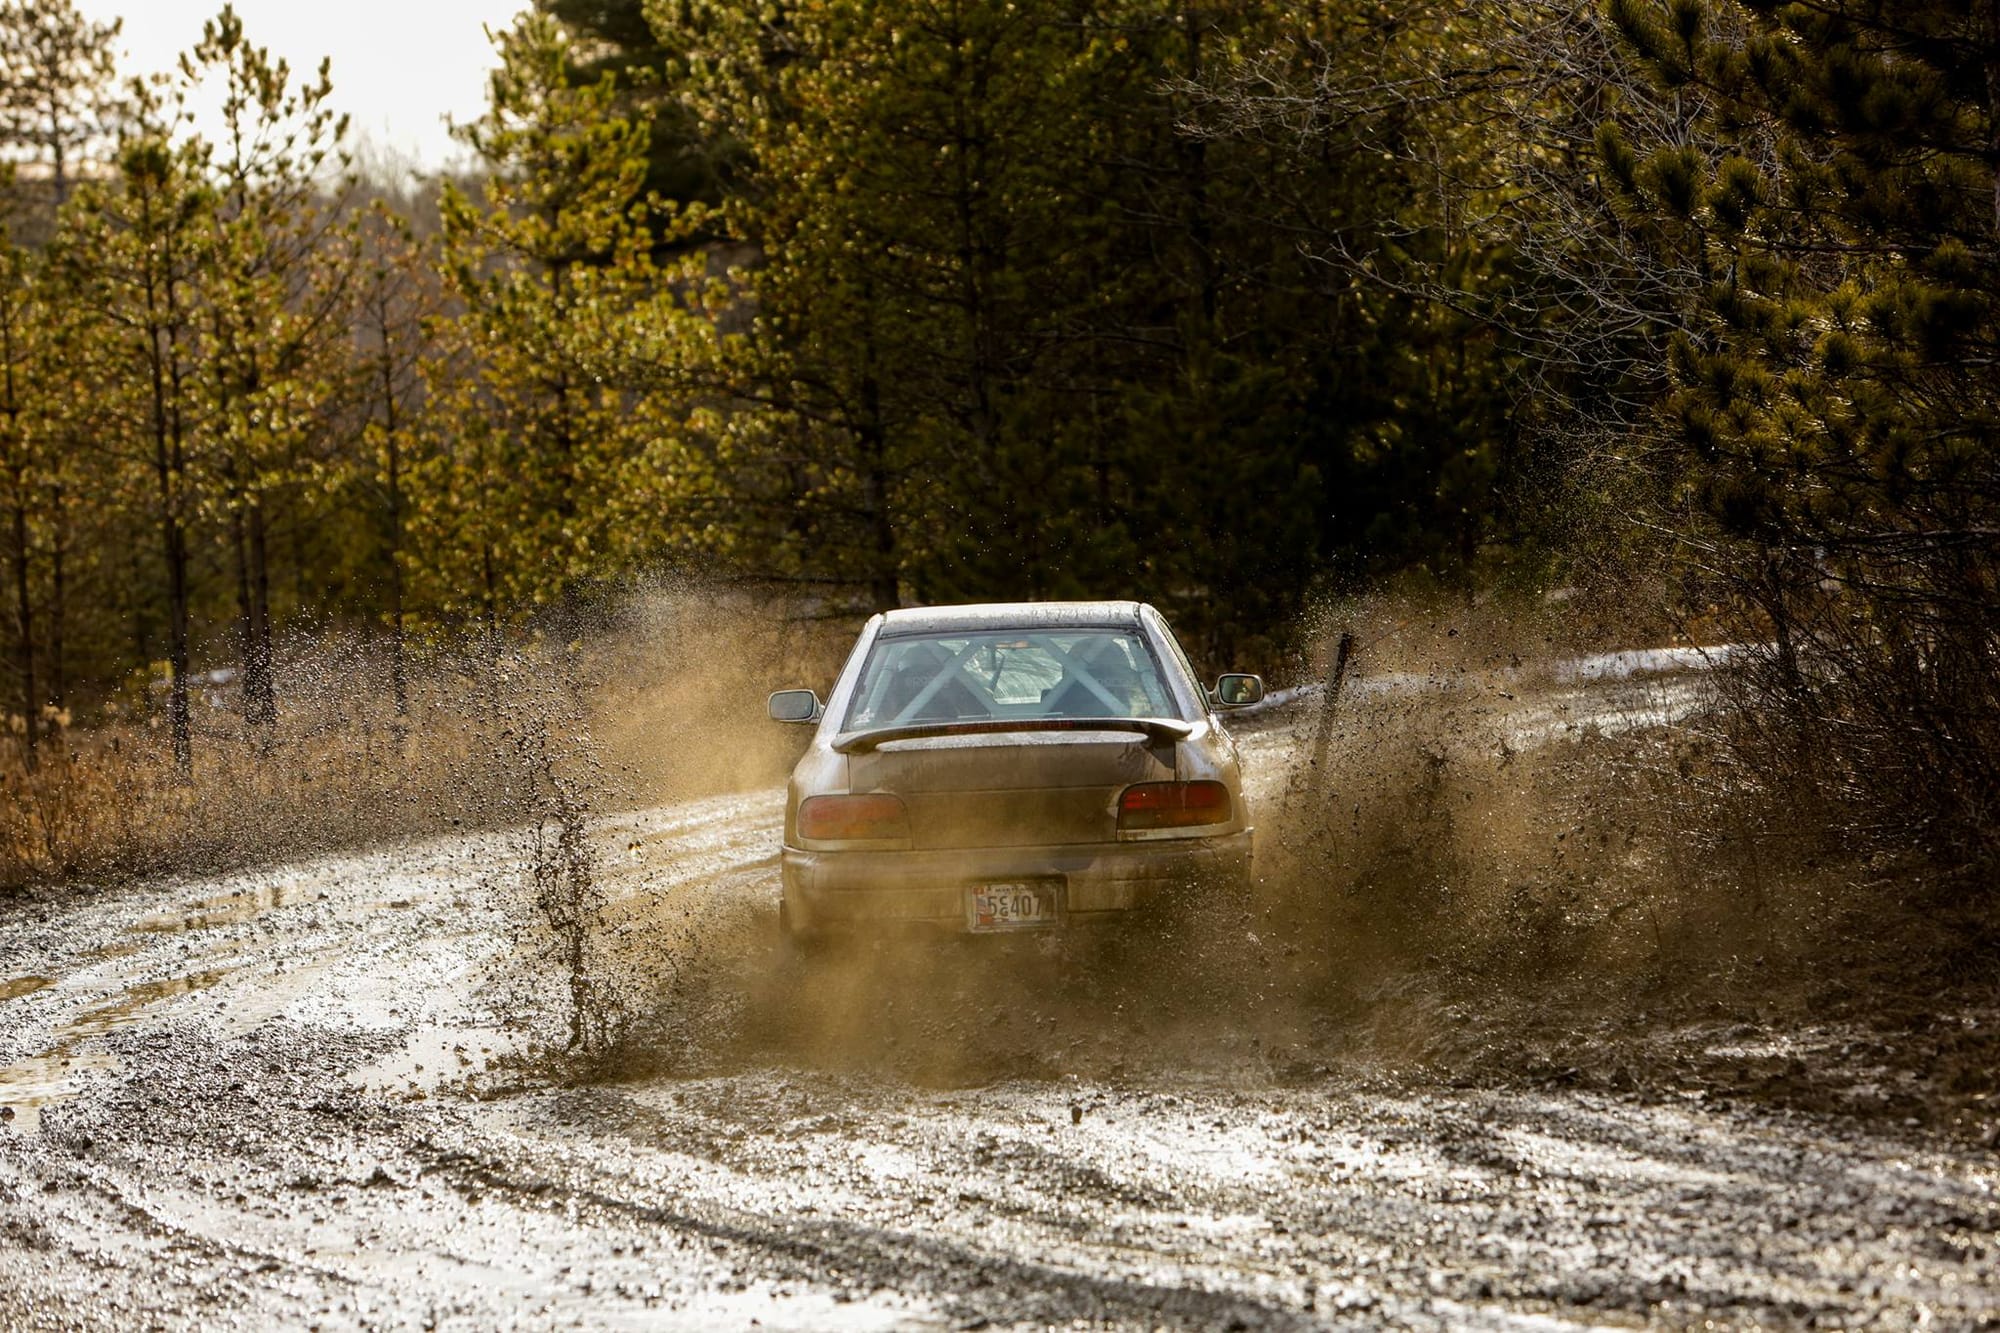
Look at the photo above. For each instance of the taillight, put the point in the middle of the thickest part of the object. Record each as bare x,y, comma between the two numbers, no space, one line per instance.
1151,805
876,815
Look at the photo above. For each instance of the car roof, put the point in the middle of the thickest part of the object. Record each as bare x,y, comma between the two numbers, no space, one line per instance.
1013,615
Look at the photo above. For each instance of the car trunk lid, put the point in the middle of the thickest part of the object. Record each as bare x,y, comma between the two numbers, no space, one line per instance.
1017,789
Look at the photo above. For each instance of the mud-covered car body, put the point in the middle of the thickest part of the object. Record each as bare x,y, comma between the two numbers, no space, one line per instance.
1011,766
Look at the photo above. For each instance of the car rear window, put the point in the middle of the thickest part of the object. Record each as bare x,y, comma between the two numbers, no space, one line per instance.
1008,675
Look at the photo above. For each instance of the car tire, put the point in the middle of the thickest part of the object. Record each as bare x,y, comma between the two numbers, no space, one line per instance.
795,939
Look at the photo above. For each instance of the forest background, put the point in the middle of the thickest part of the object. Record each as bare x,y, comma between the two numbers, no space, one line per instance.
877,302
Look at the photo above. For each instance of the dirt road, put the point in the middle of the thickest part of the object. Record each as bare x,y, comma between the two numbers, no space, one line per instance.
329,1095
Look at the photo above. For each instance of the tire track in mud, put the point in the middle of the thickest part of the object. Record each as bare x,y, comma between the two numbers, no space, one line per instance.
336,939
296,1141
975,1287
1444,1209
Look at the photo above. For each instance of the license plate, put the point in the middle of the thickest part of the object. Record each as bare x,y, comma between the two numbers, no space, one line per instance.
1024,906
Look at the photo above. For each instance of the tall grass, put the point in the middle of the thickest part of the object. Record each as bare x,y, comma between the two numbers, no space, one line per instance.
661,698
340,766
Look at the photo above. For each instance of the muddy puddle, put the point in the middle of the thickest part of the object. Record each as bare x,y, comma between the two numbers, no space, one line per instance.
438,1060
15,987
63,1070
225,910
225,962
30,1086
348,1096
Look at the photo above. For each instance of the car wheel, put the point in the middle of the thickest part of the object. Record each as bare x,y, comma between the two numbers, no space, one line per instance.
794,938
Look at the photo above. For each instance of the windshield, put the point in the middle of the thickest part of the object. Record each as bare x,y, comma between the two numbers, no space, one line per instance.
1007,675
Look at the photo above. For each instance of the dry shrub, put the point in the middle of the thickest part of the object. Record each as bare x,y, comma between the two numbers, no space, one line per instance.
339,767
1888,723
662,696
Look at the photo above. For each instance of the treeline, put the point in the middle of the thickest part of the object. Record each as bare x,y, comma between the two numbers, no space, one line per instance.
874,303
914,300
241,387
1216,299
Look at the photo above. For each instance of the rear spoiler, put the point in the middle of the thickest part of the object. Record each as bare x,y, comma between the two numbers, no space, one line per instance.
1158,728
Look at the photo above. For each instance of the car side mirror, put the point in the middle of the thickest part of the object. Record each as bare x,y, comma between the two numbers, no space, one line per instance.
795,706
1238,690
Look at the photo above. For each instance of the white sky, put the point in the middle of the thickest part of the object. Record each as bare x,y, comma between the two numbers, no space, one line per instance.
399,66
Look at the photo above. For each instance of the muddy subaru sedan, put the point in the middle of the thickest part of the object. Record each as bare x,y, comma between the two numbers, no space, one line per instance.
1011,767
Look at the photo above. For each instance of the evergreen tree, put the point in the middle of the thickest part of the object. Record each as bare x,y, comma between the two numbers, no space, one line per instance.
25,461
612,37
58,94
550,476
396,295
273,301
136,248
1834,191
917,173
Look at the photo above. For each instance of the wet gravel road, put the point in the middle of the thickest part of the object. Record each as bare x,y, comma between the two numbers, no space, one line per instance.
321,1095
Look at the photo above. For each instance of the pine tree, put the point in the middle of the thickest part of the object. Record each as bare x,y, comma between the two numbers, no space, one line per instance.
548,476
136,249
924,187
273,302
1834,190
58,104
58,96
612,37
24,461
395,296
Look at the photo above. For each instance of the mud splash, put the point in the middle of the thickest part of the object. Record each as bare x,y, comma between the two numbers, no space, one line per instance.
1486,860
548,782
227,909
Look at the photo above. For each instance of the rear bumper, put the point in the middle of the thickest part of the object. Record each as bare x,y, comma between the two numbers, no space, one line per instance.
1100,882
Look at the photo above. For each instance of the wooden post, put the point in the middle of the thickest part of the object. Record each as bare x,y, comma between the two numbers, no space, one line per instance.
1329,702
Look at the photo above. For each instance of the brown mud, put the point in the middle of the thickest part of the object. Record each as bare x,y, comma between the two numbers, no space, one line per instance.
1497,1043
